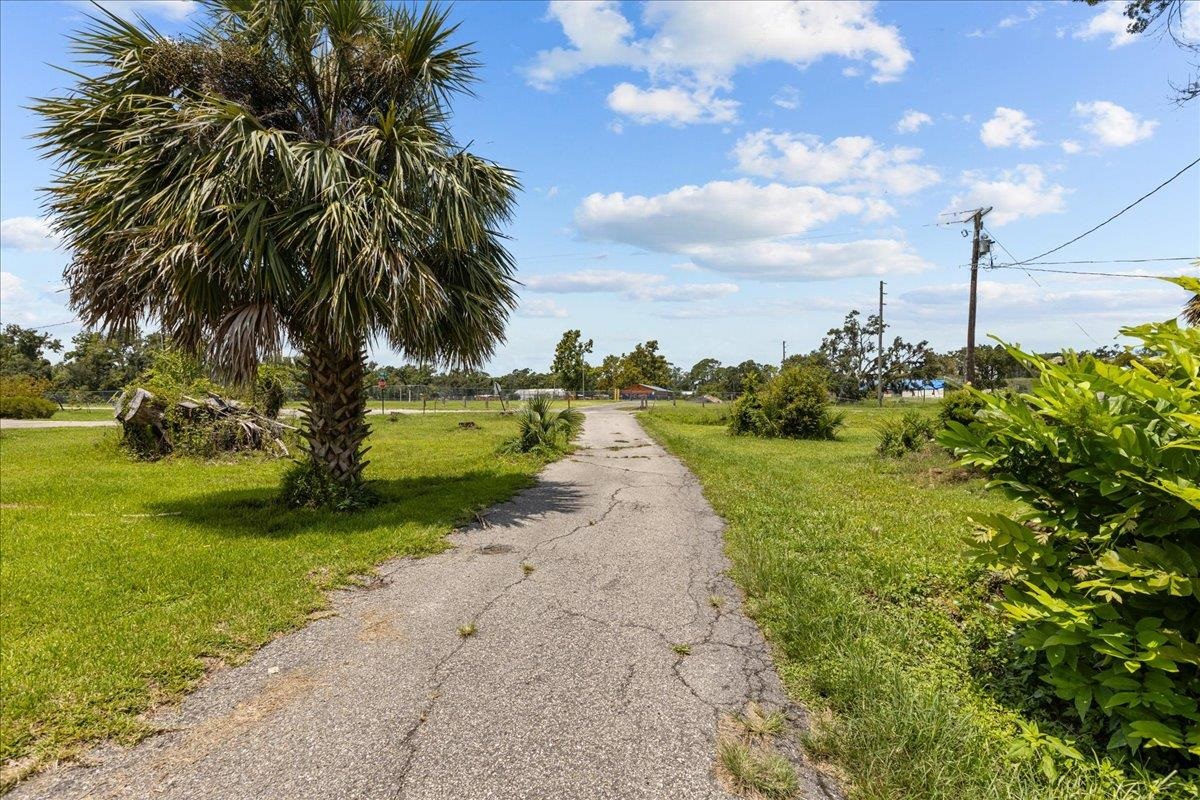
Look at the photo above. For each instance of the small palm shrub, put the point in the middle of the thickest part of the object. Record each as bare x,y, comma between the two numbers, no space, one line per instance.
792,405
1104,568
905,434
961,406
544,431
22,397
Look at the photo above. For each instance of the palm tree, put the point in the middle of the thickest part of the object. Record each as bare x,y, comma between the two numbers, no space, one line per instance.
285,175
540,429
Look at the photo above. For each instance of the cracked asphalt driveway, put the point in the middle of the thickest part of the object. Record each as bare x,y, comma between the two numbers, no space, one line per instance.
579,589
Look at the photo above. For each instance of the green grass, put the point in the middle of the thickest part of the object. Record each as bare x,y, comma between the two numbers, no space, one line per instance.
119,578
83,414
855,568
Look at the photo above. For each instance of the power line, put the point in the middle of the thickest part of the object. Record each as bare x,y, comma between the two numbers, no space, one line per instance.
1036,282
1114,216
1023,268
1096,260
53,325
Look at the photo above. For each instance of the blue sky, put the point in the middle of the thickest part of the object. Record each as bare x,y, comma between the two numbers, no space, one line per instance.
722,177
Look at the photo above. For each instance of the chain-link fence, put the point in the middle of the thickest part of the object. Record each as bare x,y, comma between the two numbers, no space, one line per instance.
79,398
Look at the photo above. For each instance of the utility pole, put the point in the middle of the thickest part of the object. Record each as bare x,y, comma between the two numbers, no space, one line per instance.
977,220
783,360
879,355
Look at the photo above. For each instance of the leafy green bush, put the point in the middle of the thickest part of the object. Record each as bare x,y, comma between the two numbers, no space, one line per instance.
747,417
173,374
22,397
1105,566
307,484
792,405
961,406
24,407
542,430
905,434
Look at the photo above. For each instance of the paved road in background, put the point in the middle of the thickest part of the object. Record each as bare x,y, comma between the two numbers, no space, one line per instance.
12,424
570,687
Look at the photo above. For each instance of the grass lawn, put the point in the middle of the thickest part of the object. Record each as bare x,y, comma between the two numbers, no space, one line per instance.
119,577
855,568
83,414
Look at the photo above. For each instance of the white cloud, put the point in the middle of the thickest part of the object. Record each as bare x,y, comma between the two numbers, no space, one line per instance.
542,307
1109,21
737,228
1189,22
175,10
1070,146
1009,127
788,97
12,287
27,234
1015,194
725,210
912,121
552,192
856,163
1030,301
1032,11
672,105
20,304
1112,125
633,285
785,260
695,48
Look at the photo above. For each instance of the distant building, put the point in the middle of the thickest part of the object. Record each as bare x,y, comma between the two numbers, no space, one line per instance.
923,388
525,394
645,391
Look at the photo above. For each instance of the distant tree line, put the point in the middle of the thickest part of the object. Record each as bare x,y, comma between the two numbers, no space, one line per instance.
848,354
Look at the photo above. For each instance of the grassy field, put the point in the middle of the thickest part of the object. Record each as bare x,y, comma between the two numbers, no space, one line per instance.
83,414
120,578
855,567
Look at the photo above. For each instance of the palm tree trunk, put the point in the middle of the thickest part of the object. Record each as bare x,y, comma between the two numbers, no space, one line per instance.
335,424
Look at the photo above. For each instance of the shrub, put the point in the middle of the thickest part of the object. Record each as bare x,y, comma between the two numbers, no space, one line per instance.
905,434
541,430
747,417
24,407
173,374
307,484
793,405
961,406
22,397
1105,566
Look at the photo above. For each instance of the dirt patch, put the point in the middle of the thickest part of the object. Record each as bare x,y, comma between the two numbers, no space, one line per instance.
278,693
376,628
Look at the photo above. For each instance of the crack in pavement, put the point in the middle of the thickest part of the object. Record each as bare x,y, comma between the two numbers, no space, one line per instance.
570,689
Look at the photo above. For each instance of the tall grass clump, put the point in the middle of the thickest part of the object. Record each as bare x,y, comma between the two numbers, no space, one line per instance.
905,434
